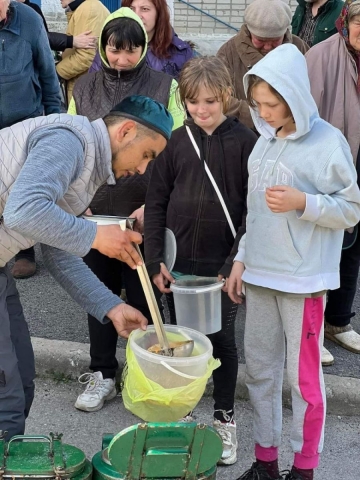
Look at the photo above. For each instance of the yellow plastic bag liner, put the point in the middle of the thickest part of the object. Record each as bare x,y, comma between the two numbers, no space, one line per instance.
154,403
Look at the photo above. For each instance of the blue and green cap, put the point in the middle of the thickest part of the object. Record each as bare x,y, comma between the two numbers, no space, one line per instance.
146,111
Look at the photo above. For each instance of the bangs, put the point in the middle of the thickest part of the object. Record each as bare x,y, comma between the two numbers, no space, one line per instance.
123,34
208,72
202,79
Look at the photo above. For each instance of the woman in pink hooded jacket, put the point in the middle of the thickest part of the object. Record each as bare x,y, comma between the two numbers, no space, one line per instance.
334,67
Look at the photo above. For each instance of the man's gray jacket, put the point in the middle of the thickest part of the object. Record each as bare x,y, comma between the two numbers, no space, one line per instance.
50,169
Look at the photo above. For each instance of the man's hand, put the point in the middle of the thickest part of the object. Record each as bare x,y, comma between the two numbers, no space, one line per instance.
139,223
113,242
163,278
234,283
282,199
85,40
126,319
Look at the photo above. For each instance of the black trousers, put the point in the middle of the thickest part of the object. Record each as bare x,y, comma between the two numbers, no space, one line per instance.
17,365
224,348
338,311
103,338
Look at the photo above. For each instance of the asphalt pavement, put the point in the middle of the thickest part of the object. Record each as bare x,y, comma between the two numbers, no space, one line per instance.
53,411
52,314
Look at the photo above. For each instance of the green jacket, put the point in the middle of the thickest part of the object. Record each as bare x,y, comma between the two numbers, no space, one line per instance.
325,27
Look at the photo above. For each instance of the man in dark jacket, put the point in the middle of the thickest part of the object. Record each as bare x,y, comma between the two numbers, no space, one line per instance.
314,20
29,86
60,41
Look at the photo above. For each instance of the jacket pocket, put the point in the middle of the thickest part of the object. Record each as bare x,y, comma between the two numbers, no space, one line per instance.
269,245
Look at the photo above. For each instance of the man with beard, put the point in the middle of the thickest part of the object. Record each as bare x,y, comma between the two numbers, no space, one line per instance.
50,169
314,20
266,26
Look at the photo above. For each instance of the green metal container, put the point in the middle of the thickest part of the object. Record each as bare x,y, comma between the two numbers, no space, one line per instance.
42,457
165,451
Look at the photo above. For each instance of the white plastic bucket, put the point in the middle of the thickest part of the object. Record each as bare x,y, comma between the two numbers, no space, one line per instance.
171,372
198,303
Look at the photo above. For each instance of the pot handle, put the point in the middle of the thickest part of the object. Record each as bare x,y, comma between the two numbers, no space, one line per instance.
181,374
29,437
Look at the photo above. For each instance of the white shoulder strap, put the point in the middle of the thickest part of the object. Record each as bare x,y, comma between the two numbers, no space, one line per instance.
232,228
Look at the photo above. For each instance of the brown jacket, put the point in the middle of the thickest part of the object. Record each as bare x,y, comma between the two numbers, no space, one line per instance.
90,15
333,79
239,55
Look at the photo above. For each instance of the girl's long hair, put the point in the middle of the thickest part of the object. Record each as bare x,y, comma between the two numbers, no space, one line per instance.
161,41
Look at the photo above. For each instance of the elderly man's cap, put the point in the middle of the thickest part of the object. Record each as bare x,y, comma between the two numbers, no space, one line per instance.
146,111
268,18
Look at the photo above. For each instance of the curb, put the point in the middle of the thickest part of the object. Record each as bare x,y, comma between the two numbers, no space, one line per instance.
63,360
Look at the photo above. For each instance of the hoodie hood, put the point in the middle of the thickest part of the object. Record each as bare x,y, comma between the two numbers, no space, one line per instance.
123,12
284,68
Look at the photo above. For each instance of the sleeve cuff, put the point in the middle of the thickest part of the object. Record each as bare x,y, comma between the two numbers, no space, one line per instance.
312,210
240,256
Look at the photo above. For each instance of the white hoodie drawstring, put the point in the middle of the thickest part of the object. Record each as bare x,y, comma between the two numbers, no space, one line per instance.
279,155
265,150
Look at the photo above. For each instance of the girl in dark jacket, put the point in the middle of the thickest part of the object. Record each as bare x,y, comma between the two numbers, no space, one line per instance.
181,197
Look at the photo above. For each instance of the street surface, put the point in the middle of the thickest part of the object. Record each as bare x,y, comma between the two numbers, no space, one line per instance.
52,314
53,411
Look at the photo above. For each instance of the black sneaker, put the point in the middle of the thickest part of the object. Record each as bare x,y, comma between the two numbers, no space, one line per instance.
292,475
257,472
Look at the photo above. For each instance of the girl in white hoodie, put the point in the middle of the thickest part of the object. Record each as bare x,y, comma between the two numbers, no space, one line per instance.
302,194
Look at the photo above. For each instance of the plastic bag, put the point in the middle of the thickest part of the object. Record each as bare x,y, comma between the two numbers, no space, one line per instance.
154,403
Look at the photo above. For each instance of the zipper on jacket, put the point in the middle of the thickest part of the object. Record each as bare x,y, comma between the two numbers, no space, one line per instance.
201,201
3,53
197,226
116,101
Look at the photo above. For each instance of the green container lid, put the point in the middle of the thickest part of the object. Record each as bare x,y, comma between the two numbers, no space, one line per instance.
160,451
39,456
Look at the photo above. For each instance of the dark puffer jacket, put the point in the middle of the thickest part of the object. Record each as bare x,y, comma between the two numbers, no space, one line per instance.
182,198
95,94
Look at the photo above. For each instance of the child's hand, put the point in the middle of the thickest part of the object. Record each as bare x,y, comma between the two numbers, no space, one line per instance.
220,278
234,283
282,199
162,279
138,214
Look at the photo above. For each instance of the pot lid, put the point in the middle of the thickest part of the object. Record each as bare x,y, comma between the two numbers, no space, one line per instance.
165,450
170,249
40,455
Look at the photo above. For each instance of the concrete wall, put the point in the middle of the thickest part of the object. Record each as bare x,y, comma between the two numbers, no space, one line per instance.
207,33
188,20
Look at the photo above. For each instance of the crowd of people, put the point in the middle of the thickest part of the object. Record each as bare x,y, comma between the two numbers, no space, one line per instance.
272,120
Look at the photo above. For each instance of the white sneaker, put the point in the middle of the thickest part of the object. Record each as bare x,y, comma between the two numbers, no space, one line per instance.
326,358
344,336
187,419
97,391
227,432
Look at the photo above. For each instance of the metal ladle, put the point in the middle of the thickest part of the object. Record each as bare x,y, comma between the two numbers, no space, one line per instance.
173,349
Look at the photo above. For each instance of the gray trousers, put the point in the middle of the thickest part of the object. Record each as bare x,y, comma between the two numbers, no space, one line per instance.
269,319
17,366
